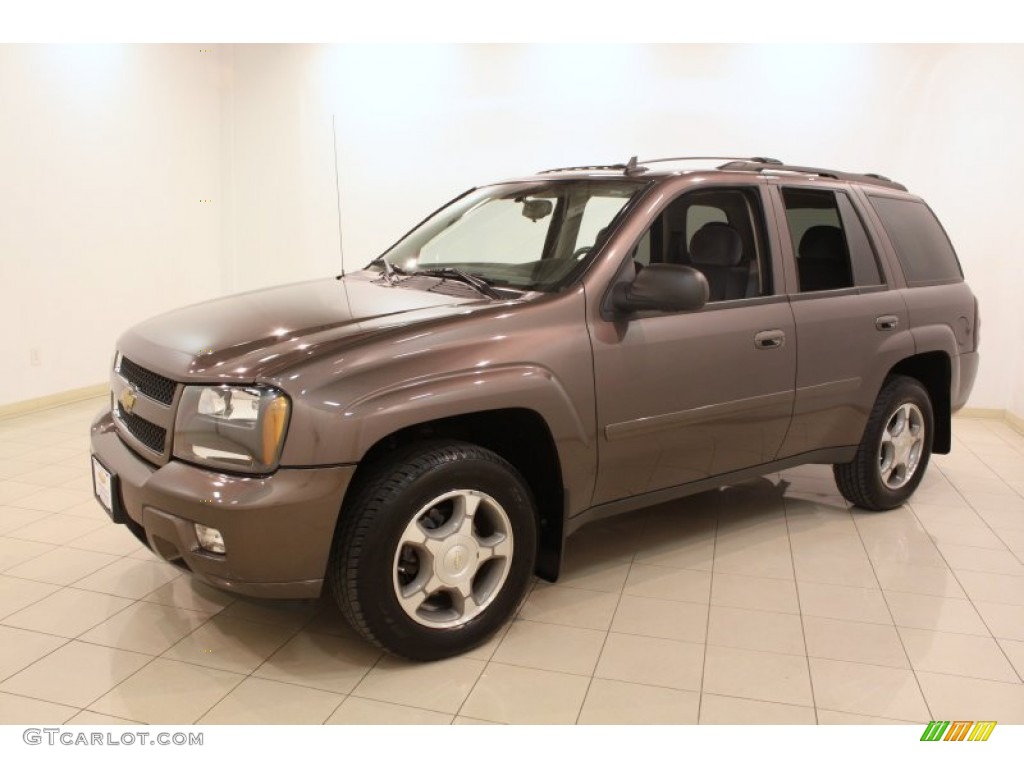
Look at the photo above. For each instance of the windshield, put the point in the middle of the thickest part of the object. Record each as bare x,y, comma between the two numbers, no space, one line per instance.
525,236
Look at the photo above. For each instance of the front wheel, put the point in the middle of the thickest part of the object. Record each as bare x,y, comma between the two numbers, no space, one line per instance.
893,454
436,551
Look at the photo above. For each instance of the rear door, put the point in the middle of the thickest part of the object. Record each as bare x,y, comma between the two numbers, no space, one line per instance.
851,328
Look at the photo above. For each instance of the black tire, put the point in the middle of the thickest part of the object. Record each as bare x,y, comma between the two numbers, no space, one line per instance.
868,481
370,565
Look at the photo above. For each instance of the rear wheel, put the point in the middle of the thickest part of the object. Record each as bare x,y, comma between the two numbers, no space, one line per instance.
894,452
436,551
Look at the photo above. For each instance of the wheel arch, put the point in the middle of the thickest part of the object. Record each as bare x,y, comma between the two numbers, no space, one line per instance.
934,371
523,438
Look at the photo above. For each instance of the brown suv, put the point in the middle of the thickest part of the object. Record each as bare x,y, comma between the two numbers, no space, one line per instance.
422,435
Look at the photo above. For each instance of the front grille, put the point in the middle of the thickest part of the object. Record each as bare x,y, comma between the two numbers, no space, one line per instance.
150,384
146,432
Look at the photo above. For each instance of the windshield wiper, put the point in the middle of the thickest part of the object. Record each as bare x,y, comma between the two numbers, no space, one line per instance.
482,285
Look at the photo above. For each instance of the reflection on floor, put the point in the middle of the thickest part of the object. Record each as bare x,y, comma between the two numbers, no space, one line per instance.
772,602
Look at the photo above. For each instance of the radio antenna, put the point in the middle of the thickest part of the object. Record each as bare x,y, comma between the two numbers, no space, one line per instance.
337,192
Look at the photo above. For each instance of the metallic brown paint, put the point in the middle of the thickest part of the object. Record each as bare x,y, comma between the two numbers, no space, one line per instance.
640,409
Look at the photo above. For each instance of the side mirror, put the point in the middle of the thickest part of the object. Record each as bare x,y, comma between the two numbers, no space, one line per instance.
662,288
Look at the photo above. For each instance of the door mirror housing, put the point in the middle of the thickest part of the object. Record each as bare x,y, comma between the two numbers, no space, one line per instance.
662,288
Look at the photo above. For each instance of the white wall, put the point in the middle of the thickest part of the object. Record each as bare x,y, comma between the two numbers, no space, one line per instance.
419,124
281,211
957,144
105,154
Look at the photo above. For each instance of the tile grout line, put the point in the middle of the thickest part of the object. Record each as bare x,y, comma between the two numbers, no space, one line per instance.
60,589
800,607
62,585
77,638
888,608
153,657
502,632
607,633
245,676
36,661
1019,558
119,683
707,624
981,617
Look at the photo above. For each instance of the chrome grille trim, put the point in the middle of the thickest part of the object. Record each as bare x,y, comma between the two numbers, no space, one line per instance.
152,385
146,432
144,423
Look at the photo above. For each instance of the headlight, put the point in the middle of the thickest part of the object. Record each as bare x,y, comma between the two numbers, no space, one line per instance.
239,428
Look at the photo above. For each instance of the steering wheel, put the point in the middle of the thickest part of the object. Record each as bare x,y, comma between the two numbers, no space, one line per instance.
579,253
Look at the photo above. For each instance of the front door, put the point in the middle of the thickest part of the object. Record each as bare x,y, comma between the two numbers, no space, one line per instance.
688,396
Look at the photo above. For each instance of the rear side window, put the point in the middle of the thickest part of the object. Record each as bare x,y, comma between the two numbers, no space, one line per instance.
832,249
921,244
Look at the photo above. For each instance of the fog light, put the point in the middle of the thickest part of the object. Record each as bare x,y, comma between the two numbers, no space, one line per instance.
210,539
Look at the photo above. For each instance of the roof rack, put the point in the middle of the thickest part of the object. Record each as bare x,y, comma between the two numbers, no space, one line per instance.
754,164
764,160
760,165
628,169
634,166
615,167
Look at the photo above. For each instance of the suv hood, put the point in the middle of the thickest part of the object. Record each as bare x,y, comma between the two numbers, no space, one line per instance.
253,335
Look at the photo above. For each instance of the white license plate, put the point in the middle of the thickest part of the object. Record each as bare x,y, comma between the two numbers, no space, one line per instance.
102,486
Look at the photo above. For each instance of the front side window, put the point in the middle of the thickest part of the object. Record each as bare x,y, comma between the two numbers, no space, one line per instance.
832,248
524,236
718,231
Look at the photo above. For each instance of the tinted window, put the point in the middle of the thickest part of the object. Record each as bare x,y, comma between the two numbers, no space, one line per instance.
642,252
922,246
816,229
699,215
719,232
833,250
862,255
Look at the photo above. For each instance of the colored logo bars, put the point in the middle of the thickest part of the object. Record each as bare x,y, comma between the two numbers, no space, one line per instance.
958,730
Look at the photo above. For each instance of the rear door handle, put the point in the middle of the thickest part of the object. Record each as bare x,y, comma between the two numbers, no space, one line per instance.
886,322
769,339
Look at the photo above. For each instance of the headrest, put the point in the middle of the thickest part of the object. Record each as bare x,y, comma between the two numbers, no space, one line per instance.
822,242
716,244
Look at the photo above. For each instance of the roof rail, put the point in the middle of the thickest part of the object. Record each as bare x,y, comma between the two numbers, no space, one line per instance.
754,164
762,160
628,169
615,167
757,165
635,167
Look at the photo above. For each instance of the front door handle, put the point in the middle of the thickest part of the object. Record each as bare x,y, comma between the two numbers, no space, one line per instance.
887,322
769,339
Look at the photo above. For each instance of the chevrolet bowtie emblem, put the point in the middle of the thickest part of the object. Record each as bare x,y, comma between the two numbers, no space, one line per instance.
128,398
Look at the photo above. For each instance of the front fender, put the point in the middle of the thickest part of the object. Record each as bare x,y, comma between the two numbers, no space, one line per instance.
370,418
378,414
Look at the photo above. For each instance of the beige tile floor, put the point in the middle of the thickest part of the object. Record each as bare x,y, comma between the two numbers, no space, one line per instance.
771,602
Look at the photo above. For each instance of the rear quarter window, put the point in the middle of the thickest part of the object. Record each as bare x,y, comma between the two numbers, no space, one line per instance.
921,244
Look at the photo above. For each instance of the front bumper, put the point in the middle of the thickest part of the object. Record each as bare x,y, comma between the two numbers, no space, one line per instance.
278,529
